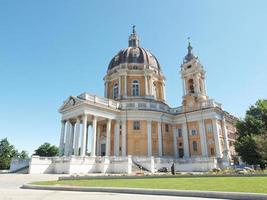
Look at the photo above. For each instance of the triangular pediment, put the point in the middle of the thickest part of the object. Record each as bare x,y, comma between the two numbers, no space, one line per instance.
70,102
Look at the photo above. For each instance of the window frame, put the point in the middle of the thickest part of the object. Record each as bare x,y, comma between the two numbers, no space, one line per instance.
180,132
136,125
135,88
116,91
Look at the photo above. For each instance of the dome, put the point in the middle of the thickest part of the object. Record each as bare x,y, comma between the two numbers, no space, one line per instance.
134,54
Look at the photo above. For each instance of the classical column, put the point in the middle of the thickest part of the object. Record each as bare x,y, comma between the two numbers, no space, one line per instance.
123,138
98,142
119,88
77,137
184,90
164,91
149,146
67,143
71,140
226,141
217,139
175,134
83,138
106,89
62,136
117,139
94,136
146,86
203,138
125,85
185,140
108,137
159,139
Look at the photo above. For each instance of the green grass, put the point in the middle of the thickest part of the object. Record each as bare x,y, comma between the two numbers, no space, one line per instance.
228,184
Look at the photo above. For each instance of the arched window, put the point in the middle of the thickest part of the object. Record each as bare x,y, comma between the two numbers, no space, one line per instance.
191,85
115,91
135,88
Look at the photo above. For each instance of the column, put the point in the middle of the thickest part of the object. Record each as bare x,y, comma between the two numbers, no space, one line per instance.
62,136
146,86
164,91
149,146
226,141
71,140
83,138
159,139
117,139
77,137
67,143
217,139
175,149
123,138
106,89
108,137
125,85
119,88
93,152
185,140
184,90
203,138
151,86
98,142
196,81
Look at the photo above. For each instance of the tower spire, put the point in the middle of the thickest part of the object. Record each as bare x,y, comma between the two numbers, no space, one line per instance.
133,29
190,54
133,39
189,47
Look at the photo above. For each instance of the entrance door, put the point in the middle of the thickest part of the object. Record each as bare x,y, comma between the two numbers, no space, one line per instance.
103,149
181,152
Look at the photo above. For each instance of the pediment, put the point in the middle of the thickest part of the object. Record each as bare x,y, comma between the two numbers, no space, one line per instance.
70,102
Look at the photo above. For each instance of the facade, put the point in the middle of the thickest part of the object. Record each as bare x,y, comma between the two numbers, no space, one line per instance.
133,124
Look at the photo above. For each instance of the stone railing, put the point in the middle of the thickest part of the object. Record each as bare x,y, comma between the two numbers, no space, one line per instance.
145,106
100,100
154,105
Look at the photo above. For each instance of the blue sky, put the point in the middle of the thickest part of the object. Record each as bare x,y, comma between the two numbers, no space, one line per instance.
55,48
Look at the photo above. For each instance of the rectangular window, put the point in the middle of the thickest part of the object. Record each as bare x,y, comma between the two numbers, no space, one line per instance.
194,132
136,125
180,133
166,127
195,146
209,128
180,144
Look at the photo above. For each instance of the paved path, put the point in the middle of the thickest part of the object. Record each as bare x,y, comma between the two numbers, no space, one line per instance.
10,190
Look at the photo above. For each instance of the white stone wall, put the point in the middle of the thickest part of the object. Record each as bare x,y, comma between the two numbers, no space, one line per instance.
78,165
18,164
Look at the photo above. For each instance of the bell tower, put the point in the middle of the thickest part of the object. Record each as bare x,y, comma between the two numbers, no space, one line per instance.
193,77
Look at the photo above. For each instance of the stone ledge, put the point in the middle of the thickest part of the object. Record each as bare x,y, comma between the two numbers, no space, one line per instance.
119,176
183,193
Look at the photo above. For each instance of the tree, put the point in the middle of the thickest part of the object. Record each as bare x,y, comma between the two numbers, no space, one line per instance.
47,150
23,155
7,152
251,143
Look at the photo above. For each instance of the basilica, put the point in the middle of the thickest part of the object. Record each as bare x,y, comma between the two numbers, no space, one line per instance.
132,125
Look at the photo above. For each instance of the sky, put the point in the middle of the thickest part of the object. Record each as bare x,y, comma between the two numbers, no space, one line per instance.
52,49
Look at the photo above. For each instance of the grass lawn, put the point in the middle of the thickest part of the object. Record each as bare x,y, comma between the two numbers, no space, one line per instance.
229,184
